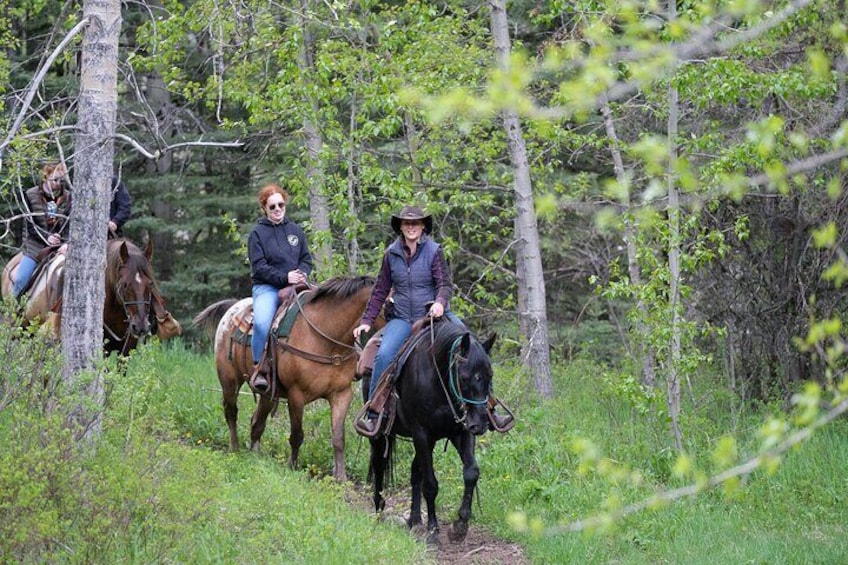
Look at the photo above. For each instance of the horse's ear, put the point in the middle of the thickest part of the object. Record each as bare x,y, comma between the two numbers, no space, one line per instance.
487,345
465,343
125,253
148,249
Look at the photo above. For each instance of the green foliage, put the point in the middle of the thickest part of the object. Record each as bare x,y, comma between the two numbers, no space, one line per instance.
625,461
651,320
147,486
160,474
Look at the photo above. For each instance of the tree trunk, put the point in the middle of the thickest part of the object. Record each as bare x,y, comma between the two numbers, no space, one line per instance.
157,99
322,249
529,271
84,292
646,352
353,193
673,388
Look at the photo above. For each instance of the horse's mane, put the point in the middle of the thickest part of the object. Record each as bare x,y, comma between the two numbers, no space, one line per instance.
136,260
342,287
445,333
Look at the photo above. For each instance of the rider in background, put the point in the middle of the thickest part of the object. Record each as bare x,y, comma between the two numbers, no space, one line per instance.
120,208
47,222
414,268
279,257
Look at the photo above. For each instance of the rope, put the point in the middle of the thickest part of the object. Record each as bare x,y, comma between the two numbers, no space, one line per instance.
456,417
454,377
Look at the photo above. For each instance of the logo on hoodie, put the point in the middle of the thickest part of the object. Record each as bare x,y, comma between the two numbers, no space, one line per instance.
293,240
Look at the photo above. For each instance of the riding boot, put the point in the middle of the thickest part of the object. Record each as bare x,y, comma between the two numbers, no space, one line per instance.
370,424
497,422
258,382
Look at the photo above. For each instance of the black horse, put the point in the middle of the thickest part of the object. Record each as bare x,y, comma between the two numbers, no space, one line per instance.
442,391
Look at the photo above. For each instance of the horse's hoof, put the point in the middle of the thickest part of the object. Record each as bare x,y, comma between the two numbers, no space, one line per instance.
433,538
458,532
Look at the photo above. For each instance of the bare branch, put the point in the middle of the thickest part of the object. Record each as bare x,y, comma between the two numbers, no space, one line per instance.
37,81
158,152
803,165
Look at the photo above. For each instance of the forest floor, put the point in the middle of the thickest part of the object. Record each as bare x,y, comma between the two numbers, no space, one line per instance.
479,547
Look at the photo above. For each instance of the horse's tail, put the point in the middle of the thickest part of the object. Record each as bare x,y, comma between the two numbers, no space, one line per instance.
382,447
209,318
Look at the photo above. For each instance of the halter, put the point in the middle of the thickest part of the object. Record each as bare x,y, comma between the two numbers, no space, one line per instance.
455,393
125,304
453,376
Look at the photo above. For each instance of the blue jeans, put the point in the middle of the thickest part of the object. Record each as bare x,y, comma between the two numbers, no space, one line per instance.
394,335
265,302
24,273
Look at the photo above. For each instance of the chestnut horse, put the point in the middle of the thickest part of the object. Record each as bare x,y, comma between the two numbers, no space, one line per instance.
129,305
316,360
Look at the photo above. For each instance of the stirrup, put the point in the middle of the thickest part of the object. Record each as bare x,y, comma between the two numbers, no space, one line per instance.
510,422
363,422
251,382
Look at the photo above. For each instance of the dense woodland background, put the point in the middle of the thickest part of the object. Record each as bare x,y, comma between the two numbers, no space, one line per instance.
686,182
403,102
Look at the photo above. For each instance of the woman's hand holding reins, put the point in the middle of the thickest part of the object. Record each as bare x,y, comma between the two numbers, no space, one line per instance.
297,277
436,310
361,329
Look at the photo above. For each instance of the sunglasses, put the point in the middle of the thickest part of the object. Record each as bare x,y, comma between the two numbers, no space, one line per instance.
281,206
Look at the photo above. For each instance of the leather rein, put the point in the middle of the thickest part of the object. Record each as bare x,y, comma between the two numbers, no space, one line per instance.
335,359
124,304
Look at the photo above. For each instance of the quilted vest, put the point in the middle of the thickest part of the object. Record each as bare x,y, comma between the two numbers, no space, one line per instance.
412,281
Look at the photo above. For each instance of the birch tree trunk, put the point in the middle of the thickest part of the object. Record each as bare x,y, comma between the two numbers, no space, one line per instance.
94,150
646,352
673,384
353,193
319,210
529,263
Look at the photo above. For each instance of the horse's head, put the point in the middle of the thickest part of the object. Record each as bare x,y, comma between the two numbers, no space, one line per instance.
130,280
470,380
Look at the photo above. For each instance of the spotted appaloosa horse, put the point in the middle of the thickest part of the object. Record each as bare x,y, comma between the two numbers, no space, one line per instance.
316,360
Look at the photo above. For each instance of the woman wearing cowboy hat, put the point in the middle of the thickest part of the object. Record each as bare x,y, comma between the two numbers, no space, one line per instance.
414,268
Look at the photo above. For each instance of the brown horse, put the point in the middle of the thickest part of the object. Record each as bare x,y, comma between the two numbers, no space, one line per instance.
130,303
316,360
44,294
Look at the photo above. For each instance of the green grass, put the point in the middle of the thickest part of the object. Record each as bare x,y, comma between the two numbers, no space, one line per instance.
796,515
161,487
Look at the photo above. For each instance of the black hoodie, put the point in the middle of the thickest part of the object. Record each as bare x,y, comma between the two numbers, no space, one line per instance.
274,250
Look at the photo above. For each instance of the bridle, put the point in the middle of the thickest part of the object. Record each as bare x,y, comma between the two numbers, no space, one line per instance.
453,392
334,359
126,304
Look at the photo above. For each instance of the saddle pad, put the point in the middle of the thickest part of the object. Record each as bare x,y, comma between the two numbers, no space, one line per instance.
280,326
284,319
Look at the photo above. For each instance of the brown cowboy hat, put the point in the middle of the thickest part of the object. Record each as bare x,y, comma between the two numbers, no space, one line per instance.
412,213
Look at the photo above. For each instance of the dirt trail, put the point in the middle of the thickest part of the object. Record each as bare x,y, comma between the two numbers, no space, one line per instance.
479,547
